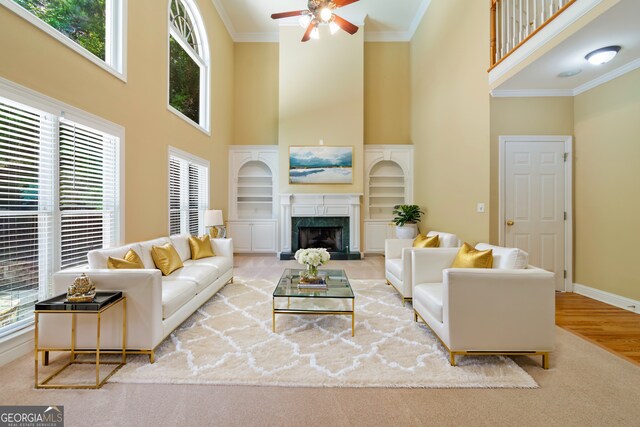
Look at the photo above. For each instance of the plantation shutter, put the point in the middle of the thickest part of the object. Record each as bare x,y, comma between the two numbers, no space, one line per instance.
89,199
188,195
26,211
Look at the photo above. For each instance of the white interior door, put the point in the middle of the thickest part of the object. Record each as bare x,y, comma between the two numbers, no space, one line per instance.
535,205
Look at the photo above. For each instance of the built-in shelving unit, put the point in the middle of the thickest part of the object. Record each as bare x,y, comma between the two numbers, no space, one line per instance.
254,191
388,182
253,211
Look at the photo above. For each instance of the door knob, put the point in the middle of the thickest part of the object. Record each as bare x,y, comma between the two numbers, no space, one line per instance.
510,223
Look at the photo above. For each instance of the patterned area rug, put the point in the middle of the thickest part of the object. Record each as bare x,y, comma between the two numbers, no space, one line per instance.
229,341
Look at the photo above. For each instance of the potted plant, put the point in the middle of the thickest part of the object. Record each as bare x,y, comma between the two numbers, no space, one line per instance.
406,219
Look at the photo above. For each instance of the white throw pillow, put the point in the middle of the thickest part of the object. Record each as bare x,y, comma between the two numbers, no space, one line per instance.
145,250
447,240
506,258
98,258
181,243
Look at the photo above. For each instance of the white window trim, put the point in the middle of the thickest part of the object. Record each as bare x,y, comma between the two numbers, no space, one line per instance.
175,152
31,98
204,62
116,44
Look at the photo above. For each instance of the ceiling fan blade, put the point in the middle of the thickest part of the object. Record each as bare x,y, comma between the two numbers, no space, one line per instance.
343,3
345,25
289,14
307,34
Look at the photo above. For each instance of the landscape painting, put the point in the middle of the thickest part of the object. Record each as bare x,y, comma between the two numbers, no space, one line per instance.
320,165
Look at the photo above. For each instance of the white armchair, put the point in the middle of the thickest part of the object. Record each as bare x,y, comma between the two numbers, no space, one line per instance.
397,254
503,310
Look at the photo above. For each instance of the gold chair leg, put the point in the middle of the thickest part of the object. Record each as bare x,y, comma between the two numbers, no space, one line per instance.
152,356
452,358
45,358
545,360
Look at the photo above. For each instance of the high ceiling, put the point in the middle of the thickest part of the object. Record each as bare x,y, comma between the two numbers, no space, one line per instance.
385,20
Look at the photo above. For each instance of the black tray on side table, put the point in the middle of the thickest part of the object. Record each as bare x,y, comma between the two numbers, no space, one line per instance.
60,303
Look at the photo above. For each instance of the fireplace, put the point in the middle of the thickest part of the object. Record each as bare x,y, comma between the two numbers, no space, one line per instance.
331,221
331,233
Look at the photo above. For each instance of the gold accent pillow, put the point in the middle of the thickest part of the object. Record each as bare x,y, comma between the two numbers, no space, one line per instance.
166,258
130,260
423,241
470,257
200,247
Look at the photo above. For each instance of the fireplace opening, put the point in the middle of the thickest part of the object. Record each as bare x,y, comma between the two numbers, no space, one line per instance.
331,233
329,238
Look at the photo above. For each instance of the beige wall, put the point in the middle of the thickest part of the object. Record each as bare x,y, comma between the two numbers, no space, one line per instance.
43,64
256,93
607,186
450,117
523,116
386,93
321,97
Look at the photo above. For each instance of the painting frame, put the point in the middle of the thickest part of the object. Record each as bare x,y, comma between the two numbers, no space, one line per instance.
320,165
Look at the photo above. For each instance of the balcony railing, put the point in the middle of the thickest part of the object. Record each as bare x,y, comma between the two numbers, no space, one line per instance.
513,22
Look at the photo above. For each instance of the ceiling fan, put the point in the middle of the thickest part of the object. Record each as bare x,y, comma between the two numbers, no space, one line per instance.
321,11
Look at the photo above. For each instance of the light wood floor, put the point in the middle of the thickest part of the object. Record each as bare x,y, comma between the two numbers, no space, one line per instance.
611,328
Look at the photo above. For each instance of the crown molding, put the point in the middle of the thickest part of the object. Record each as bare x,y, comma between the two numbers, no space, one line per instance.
273,36
611,75
422,10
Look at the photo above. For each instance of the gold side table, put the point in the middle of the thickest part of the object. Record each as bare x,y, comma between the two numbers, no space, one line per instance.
104,301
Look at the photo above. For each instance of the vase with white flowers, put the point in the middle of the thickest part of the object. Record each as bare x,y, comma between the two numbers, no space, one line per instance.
312,258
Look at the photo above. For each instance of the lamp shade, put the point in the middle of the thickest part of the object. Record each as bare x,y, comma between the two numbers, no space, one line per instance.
213,218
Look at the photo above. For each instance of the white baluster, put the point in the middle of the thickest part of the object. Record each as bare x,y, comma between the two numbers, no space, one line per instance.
528,17
502,21
520,23
535,15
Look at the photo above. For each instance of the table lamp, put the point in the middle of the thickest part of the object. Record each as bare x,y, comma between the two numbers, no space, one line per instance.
213,219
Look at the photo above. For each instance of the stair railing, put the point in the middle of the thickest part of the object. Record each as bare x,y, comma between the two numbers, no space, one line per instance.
513,22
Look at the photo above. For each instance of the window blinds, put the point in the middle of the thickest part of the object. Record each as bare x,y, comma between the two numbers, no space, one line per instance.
26,211
89,205
59,198
188,195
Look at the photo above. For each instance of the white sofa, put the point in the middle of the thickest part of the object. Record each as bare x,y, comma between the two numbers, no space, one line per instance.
397,263
508,309
156,304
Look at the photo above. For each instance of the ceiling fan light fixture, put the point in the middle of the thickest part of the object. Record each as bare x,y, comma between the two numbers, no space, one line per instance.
315,33
304,21
333,27
603,55
325,14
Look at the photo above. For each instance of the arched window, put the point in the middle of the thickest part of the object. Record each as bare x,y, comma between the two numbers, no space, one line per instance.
188,63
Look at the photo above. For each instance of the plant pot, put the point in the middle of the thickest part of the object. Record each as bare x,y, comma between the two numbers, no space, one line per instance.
407,231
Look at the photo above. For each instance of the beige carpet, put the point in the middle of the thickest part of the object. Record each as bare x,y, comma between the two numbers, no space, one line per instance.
229,342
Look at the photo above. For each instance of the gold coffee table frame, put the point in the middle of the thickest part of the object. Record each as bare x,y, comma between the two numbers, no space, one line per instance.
74,352
339,288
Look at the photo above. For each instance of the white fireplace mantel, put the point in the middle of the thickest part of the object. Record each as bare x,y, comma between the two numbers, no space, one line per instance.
320,205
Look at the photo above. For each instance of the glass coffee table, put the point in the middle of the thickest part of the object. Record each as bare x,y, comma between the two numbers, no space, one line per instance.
336,299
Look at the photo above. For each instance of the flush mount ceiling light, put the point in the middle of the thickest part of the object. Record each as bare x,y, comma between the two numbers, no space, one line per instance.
320,12
603,55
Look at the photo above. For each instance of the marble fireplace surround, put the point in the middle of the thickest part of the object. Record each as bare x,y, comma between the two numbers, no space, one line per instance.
320,205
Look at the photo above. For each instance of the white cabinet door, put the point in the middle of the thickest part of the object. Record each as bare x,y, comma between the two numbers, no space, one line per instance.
241,235
375,233
263,237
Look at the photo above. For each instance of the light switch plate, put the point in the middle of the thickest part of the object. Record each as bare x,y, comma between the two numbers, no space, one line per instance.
480,208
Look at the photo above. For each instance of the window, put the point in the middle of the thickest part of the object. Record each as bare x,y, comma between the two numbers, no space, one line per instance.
188,193
94,28
188,63
59,198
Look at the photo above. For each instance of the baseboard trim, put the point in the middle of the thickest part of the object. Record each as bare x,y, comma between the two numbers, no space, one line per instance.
15,346
607,297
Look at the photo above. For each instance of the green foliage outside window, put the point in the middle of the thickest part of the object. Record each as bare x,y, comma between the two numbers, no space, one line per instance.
83,21
184,82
